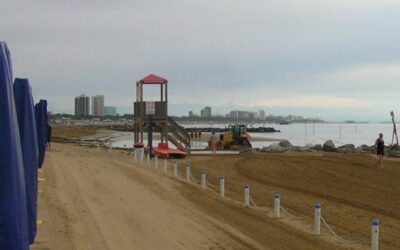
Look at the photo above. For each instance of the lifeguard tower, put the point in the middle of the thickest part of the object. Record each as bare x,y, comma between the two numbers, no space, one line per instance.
153,117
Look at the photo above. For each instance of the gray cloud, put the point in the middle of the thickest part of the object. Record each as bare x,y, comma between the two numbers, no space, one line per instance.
213,52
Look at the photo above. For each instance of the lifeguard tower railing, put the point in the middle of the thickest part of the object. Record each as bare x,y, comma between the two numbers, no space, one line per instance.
161,110
161,123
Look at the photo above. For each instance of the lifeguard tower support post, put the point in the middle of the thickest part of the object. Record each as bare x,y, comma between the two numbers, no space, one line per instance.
156,119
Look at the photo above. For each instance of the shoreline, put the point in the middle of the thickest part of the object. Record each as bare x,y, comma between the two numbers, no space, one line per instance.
102,138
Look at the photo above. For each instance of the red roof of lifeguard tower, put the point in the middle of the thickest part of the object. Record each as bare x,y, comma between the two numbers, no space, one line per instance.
153,79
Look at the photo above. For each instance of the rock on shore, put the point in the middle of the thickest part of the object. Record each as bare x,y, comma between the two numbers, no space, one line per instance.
285,144
329,146
346,149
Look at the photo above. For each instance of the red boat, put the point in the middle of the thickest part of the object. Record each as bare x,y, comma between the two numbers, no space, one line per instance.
164,152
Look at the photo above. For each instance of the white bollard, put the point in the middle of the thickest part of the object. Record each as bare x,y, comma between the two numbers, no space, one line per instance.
277,205
188,172
375,235
165,165
148,159
203,179
135,154
176,169
156,161
317,219
141,155
222,186
110,146
247,196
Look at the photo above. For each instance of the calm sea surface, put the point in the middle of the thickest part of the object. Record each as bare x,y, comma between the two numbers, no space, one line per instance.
303,134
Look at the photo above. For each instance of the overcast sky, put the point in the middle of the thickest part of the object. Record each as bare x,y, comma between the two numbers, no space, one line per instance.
335,59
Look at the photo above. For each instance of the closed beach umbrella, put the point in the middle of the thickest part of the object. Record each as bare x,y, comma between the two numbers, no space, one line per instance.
41,128
13,214
27,131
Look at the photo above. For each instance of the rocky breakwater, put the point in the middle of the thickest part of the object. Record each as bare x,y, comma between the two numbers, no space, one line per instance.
284,146
329,146
393,151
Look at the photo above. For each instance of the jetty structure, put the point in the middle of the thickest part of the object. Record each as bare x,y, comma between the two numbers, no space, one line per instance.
152,116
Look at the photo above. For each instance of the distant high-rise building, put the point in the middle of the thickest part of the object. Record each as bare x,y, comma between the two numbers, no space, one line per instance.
243,114
110,110
234,114
82,106
98,105
253,115
191,114
206,112
261,114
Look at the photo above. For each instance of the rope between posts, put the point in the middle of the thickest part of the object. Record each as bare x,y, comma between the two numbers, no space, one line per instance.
193,179
341,239
264,209
293,216
209,184
253,202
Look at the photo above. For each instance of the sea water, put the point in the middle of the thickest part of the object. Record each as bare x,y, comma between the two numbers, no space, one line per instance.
340,133
299,134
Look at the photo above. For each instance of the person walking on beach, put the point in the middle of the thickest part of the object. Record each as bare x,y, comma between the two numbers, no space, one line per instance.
380,150
213,141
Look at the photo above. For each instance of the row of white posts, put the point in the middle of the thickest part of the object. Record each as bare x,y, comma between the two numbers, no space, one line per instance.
139,155
317,217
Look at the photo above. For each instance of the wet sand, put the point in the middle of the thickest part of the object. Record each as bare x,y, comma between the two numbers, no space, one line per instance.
88,134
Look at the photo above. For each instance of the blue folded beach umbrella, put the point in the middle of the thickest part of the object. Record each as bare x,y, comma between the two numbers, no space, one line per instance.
30,155
13,214
41,128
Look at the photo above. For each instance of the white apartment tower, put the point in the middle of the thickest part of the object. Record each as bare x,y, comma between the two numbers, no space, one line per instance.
98,105
261,114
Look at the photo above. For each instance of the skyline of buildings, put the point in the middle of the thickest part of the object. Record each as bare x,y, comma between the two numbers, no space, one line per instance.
238,114
242,114
83,109
82,106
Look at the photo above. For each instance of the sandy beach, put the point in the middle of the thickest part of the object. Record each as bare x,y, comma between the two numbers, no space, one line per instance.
104,200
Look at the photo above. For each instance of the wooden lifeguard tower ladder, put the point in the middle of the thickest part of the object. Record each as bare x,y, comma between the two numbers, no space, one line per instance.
153,117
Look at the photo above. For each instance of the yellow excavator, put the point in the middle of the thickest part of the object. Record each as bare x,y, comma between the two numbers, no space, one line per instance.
235,138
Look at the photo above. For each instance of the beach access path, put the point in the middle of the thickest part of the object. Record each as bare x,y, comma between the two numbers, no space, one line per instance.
96,200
